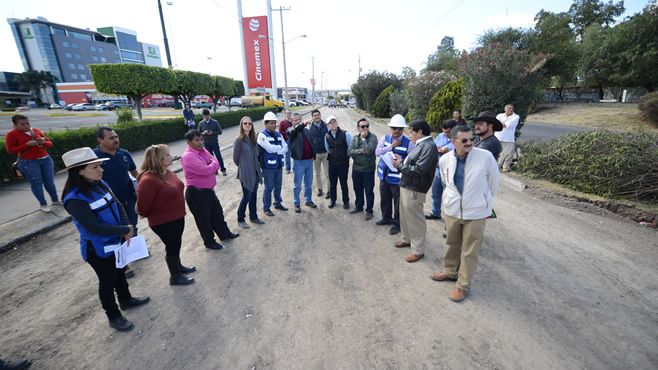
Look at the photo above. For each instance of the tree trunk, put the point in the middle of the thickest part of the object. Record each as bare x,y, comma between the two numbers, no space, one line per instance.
559,92
601,94
137,100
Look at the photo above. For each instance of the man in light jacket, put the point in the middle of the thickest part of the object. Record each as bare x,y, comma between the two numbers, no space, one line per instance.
470,177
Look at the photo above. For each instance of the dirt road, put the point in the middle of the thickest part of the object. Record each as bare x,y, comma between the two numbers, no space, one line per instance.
556,288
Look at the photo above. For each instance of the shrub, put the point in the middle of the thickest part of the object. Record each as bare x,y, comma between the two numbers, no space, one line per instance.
398,102
124,115
648,107
370,85
419,90
444,102
134,136
617,165
382,105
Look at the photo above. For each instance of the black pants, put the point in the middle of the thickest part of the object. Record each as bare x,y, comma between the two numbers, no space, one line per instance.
208,214
213,148
364,182
171,234
338,172
248,198
110,279
390,202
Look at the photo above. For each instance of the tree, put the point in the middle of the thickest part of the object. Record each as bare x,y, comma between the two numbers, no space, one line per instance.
419,91
444,102
35,81
133,80
370,85
584,13
237,90
187,84
640,37
496,75
554,38
516,38
444,58
604,63
382,105
219,86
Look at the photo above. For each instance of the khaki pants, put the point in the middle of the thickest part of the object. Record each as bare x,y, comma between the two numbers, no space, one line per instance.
506,157
321,175
412,220
463,241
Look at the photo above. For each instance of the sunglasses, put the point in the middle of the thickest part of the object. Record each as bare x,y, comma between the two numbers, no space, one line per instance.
397,128
247,123
464,141
366,126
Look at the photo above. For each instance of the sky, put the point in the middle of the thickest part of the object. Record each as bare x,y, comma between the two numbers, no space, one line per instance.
204,35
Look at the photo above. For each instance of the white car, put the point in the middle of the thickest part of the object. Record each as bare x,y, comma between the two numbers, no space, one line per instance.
84,106
235,102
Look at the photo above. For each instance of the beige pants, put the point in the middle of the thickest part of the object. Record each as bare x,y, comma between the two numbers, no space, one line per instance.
506,157
463,241
321,175
412,220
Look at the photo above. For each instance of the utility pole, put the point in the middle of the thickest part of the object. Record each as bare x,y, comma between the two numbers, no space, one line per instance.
359,67
275,92
283,44
244,54
313,78
164,33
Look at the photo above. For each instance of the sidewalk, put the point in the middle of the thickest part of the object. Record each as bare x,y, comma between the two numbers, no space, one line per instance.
21,219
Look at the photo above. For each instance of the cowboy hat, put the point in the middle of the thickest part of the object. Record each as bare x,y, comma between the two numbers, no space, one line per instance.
489,118
80,157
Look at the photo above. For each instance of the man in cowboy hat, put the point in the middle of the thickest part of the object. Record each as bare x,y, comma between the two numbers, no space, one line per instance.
470,186
389,179
485,126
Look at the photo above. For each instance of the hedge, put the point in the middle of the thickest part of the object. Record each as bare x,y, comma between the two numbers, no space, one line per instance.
134,136
609,164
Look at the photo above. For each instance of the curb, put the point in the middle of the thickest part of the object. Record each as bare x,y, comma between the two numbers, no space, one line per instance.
514,183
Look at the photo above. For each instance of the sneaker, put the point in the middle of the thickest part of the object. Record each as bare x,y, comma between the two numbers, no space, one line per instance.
46,209
310,204
243,225
458,295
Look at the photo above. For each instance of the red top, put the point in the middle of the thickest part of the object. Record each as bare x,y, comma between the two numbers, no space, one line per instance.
160,201
16,143
283,128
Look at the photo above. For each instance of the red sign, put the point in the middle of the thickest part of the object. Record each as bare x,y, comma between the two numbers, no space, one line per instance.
257,48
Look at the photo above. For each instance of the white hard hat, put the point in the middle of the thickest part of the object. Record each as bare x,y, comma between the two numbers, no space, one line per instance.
397,121
269,116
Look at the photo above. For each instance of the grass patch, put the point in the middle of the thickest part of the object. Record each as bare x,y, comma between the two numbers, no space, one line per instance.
613,116
74,114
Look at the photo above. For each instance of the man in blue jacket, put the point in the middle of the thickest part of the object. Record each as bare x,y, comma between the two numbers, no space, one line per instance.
272,148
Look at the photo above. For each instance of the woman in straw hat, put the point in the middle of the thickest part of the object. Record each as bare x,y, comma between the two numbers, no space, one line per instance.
160,199
101,221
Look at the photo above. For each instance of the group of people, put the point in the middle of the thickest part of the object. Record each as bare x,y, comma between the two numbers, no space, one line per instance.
105,192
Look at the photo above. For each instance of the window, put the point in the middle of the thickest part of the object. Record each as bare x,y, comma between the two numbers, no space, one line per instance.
68,55
83,76
81,67
130,55
94,58
116,52
128,42
71,65
74,76
103,60
81,36
75,45
65,44
78,56
58,31
92,48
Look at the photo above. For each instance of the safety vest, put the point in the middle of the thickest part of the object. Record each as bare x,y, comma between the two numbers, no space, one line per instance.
386,174
271,160
106,209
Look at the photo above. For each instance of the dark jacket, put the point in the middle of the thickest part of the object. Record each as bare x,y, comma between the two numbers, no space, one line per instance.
316,136
337,147
296,142
491,144
419,167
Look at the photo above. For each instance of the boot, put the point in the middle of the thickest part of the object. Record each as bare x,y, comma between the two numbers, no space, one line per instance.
176,277
185,270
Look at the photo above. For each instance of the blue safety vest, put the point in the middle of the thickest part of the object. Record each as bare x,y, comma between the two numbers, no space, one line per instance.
106,209
267,159
386,174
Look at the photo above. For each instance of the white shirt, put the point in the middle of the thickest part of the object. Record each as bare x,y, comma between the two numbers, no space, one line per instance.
507,134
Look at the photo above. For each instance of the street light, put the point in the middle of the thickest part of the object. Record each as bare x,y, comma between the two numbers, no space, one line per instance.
164,33
285,71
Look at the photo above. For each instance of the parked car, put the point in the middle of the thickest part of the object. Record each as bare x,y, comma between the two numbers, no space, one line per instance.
111,105
235,102
293,103
54,106
304,102
69,106
202,104
84,106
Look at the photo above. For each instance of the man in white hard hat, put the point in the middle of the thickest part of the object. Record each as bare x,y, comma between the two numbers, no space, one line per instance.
271,149
389,178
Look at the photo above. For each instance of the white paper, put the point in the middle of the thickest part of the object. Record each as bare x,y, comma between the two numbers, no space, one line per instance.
126,254
388,160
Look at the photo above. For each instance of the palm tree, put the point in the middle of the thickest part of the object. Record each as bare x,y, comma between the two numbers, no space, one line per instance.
35,81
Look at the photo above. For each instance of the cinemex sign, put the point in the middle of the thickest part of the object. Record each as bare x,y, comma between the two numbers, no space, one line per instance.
257,51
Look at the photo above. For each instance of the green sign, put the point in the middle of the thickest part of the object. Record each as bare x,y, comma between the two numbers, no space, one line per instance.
151,52
27,34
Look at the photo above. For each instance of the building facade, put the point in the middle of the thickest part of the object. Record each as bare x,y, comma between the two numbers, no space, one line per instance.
67,51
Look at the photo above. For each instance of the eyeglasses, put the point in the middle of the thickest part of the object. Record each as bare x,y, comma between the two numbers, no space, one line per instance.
365,126
397,128
464,141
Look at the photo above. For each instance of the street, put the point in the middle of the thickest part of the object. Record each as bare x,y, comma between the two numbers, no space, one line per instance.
556,288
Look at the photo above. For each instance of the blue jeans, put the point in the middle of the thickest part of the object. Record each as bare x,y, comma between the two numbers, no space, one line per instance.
40,173
213,148
303,169
248,197
287,159
363,183
272,178
437,192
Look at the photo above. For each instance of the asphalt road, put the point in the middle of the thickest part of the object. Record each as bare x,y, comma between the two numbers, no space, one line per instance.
536,131
556,288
